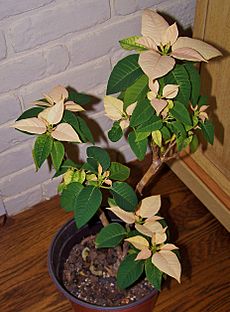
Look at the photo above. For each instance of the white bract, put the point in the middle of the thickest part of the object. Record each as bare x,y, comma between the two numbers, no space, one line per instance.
164,45
114,109
159,102
145,218
57,94
45,123
161,254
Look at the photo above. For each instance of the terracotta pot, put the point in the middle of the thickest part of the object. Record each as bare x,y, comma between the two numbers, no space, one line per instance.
59,250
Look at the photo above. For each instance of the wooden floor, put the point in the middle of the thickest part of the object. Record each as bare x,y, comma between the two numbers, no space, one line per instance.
204,245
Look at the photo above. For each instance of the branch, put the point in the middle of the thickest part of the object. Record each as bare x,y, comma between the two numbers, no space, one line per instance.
103,218
154,167
169,148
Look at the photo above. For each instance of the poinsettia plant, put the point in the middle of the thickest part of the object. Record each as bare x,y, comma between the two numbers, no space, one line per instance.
54,121
159,97
159,102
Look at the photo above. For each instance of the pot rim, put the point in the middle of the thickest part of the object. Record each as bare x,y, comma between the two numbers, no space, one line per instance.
74,299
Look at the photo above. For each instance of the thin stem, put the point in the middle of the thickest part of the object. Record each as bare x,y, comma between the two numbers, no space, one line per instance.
103,218
169,148
152,170
105,187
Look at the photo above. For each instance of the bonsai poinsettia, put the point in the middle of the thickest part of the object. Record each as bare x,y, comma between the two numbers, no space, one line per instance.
159,102
162,84
54,121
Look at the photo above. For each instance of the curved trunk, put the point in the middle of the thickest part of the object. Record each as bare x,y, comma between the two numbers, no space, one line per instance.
149,174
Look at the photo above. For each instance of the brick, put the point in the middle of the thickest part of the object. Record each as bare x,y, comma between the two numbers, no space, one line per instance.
19,71
49,188
98,106
118,55
9,137
23,201
16,159
12,7
23,180
181,11
122,7
82,78
57,59
10,108
144,4
2,46
55,21
100,42
104,122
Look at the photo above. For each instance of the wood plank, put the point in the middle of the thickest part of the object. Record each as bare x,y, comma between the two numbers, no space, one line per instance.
212,25
204,244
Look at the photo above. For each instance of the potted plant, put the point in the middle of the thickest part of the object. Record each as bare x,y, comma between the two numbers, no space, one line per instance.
159,103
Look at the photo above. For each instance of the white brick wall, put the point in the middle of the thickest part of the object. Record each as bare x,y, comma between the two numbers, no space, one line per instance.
49,42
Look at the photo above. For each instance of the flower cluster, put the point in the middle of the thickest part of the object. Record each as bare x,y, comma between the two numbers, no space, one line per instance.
48,120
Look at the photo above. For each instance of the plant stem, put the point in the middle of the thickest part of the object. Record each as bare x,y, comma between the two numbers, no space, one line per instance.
157,162
103,218
152,170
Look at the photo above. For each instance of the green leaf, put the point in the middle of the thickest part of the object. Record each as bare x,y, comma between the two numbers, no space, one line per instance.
154,123
79,98
124,74
153,274
115,133
110,236
129,271
194,80
141,135
208,130
79,176
157,137
91,165
180,77
100,155
131,44
57,154
180,112
118,171
71,118
42,148
177,128
88,202
202,100
165,133
69,196
79,126
136,91
124,196
85,132
183,142
142,113
67,164
194,144
139,148
31,112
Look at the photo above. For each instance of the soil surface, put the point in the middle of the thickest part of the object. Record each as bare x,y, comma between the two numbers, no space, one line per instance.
89,275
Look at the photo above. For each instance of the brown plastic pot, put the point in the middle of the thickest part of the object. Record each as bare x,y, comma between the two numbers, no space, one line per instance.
59,250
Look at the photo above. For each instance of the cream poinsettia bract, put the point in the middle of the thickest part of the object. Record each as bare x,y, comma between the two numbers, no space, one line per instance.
164,45
200,112
158,102
114,109
57,94
144,217
46,121
161,254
